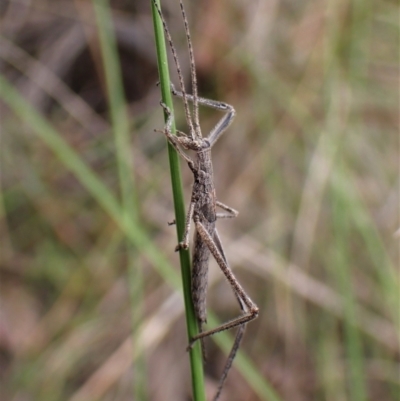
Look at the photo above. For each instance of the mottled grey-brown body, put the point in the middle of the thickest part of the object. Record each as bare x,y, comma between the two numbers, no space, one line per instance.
205,211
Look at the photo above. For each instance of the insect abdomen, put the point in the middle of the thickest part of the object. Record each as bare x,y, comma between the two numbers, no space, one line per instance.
201,256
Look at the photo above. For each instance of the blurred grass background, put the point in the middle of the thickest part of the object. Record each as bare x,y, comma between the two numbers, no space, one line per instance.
91,307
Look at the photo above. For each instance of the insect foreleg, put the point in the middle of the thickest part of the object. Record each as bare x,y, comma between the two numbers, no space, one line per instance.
225,121
221,127
215,104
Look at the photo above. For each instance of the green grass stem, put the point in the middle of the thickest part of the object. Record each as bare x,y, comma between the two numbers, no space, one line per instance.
196,362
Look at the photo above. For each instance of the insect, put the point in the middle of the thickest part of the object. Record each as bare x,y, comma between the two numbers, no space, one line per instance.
203,204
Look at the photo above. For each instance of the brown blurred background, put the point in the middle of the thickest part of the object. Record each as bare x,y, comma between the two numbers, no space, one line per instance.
311,162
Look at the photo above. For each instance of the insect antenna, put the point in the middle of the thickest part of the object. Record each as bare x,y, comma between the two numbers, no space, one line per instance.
192,72
179,71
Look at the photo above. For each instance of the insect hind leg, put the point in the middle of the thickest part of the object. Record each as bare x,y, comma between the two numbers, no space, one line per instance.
248,307
229,361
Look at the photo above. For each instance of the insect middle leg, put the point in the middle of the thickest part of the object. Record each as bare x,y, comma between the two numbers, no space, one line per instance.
184,244
230,211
